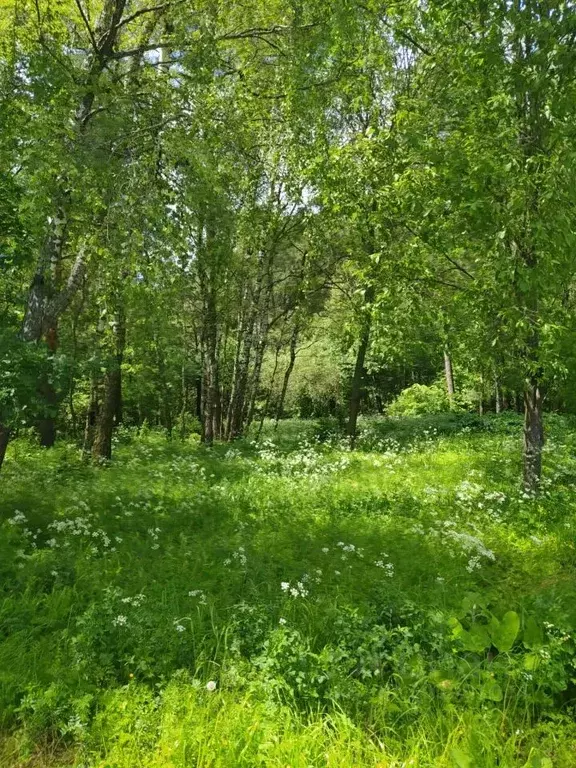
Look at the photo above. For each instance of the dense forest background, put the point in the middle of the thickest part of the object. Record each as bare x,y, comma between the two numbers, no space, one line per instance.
215,213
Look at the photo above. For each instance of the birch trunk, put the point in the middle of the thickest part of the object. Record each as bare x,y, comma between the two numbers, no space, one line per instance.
238,400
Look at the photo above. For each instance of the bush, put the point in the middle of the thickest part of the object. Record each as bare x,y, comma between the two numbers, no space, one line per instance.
420,400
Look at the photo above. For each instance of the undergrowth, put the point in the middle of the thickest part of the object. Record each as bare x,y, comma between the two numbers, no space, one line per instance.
290,602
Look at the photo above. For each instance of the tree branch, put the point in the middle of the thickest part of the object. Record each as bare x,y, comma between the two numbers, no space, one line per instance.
259,31
87,25
152,9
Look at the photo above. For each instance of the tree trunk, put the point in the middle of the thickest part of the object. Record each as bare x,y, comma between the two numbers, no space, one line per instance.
240,385
262,340
257,372
533,436
49,294
239,392
120,338
287,374
109,414
4,439
198,385
208,410
497,395
91,418
184,405
210,380
235,369
238,400
47,422
270,390
449,374
217,429
102,445
357,384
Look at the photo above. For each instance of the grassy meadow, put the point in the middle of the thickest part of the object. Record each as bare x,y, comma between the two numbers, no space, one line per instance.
291,603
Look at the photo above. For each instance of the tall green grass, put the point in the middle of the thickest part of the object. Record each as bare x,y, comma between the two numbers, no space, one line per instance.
291,603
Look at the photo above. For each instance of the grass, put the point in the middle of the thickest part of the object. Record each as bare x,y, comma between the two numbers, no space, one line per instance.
404,604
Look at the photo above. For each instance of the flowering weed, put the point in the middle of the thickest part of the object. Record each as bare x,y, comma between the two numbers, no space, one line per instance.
404,601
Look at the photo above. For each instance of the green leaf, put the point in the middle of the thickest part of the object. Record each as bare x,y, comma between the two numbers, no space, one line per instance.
505,634
461,759
533,636
477,639
531,661
536,761
491,690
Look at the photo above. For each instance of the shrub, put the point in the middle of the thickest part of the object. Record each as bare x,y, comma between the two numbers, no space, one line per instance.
420,400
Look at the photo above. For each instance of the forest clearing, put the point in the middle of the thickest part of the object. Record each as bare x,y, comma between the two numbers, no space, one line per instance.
292,602
287,365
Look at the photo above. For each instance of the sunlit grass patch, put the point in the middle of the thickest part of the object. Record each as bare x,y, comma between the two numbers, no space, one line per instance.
347,606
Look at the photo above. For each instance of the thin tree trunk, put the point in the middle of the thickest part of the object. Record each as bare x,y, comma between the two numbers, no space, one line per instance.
164,404
269,394
533,436
449,374
217,403
497,395
357,384
109,413
262,340
238,401
120,340
257,372
73,415
235,369
208,411
359,370
72,387
4,439
533,414
102,445
287,373
209,389
91,418
198,385
47,422
184,408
